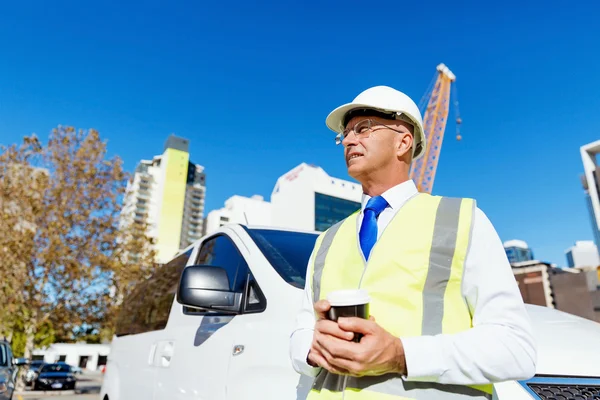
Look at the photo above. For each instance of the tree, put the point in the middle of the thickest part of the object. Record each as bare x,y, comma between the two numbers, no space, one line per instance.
21,188
68,254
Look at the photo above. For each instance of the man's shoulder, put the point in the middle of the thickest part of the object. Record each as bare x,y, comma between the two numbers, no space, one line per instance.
438,198
442,196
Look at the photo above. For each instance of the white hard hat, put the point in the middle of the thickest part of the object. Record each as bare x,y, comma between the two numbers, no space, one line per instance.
386,100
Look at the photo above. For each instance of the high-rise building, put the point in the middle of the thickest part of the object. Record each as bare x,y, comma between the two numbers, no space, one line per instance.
590,181
305,198
517,251
168,193
583,254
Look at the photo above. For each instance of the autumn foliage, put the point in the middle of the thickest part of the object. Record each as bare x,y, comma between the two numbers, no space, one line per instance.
67,257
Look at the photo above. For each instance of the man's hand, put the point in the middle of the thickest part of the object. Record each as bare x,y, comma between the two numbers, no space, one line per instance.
377,353
317,356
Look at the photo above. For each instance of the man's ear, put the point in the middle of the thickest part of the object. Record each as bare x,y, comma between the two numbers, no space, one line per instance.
404,145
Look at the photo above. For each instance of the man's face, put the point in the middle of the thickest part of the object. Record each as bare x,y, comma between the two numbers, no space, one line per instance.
371,146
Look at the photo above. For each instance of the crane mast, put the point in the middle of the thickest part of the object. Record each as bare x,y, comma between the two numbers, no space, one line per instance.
434,125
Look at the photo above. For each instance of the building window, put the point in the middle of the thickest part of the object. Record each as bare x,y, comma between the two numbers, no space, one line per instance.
570,261
329,210
102,360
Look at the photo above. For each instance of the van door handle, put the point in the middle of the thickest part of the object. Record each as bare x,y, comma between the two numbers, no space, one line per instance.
166,354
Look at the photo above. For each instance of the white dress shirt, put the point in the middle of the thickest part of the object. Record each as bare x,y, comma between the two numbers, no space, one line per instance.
499,346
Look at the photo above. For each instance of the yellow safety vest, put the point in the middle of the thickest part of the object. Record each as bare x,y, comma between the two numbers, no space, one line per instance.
413,277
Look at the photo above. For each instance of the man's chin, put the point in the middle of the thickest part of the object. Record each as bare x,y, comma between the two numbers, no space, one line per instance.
354,170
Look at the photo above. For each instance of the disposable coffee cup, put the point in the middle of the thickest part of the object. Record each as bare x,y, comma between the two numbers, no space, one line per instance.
349,303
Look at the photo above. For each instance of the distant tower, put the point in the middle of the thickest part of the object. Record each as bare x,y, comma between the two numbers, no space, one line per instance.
168,193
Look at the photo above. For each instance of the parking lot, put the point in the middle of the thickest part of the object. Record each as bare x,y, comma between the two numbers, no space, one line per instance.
87,388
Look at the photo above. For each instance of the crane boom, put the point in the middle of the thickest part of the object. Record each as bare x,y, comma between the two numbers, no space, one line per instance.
434,125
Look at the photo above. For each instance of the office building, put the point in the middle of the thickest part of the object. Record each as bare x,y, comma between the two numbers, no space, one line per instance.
517,251
168,193
308,198
305,198
583,254
569,289
589,180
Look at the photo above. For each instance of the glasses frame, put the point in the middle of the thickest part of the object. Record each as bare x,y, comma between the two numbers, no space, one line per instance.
364,134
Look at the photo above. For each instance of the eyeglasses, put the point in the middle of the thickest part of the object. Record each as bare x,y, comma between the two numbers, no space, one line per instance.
362,130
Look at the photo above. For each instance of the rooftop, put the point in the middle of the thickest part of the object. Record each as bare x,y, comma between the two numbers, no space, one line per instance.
516,243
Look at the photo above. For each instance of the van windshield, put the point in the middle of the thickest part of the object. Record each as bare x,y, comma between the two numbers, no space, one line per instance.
288,252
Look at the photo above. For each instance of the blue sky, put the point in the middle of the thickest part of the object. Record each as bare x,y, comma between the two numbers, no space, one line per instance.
251,85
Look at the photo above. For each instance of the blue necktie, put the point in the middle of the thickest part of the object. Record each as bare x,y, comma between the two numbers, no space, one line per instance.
368,228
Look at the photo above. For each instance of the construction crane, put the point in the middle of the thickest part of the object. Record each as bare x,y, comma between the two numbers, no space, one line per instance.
437,98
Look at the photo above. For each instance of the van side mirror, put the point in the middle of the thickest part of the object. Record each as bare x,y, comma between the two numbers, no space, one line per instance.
207,287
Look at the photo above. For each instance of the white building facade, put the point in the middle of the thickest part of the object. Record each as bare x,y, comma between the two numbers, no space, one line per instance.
90,357
583,254
240,210
305,198
168,193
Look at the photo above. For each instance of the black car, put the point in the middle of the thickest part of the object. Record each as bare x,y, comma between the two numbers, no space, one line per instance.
55,377
8,370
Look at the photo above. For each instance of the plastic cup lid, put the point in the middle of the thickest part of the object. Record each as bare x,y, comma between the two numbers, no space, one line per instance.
349,297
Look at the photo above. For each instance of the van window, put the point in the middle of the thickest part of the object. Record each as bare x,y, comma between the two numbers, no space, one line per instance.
287,251
220,251
148,307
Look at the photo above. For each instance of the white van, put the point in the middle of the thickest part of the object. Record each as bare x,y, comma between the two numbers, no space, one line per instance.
250,279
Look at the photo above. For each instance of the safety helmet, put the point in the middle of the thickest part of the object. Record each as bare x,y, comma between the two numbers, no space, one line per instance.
386,100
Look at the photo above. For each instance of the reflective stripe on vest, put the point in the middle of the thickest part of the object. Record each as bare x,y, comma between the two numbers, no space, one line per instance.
427,271
320,258
331,386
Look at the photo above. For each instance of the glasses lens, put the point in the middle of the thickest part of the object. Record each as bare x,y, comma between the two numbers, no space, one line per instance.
362,127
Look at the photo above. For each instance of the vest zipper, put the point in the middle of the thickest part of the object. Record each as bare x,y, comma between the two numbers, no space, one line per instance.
344,387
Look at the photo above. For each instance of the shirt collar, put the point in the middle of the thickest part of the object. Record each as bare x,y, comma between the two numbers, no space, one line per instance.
395,196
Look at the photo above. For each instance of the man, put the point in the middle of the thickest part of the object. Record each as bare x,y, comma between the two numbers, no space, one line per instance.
448,320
